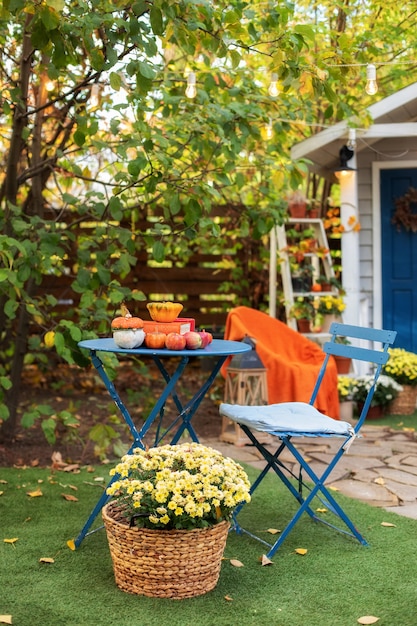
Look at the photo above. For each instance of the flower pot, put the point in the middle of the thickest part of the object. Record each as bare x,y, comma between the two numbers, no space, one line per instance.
343,364
346,411
328,321
374,412
303,326
298,209
405,402
164,563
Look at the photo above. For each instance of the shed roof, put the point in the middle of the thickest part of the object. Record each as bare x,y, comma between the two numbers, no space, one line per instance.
394,116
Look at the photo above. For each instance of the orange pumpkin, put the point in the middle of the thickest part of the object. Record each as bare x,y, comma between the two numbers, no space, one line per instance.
126,322
164,311
156,340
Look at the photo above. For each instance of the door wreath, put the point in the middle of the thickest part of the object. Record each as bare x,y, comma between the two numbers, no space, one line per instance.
403,215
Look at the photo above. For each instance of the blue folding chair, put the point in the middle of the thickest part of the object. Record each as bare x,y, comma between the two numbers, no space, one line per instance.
288,420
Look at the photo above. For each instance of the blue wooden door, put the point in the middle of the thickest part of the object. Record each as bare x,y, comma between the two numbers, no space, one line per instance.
399,261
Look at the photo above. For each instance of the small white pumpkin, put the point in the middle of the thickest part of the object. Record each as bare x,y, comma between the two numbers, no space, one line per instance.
129,338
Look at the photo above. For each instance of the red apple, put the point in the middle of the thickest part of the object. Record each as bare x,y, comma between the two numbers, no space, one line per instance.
193,341
175,341
206,338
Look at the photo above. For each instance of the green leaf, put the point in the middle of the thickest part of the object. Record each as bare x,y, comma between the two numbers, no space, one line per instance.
158,251
157,24
146,70
115,81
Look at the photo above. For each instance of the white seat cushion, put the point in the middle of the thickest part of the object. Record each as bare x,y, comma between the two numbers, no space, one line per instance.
286,417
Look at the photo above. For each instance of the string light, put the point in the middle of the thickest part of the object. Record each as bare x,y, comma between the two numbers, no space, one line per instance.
273,87
191,90
371,86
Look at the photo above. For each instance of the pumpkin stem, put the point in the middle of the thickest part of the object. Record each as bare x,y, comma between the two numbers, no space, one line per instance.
125,311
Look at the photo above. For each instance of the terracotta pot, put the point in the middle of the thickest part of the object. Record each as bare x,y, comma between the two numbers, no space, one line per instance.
343,364
374,412
303,325
297,210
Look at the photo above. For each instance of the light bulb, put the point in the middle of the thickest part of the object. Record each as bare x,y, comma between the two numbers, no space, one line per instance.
49,85
371,86
191,90
269,131
273,87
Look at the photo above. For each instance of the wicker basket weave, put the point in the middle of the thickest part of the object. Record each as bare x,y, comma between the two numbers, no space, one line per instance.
405,402
164,563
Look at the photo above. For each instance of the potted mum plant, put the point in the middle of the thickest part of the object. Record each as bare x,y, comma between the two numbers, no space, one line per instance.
402,367
168,520
386,390
345,389
303,312
329,308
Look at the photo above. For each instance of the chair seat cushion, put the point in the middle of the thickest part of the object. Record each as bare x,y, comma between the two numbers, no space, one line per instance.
293,418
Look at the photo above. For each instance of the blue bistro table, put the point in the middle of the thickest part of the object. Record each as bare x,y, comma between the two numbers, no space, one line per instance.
219,350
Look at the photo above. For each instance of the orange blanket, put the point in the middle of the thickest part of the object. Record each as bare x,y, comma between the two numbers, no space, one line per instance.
292,361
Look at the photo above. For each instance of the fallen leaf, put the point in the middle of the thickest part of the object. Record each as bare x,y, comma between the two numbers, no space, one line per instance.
410,429
71,544
69,497
99,479
388,525
368,619
265,560
35,494
46,559
3,482
321,510
11,540
273,531
74,467
34,462
379,481
333,488
228,598
236,563
1,493
6,619
301,551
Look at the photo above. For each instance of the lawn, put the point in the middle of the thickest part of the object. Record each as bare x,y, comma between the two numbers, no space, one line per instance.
336,582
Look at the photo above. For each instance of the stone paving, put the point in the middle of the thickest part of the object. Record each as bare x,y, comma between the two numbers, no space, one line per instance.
379,469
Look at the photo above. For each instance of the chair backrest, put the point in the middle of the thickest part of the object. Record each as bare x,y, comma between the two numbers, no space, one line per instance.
339,345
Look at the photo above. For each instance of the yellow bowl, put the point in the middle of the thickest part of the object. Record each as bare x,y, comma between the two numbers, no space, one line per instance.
164,311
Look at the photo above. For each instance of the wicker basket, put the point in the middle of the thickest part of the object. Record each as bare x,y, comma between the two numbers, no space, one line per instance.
164,563
405,402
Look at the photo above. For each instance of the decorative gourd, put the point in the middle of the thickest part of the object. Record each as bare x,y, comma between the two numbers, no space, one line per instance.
127,330
164,311
156,341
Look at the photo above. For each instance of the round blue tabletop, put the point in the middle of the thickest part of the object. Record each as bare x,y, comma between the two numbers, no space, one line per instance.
218,347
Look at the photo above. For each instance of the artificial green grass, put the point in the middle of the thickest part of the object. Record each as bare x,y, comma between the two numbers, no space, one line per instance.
334,584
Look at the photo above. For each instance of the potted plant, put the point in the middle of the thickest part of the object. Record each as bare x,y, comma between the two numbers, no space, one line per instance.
168,521
303,312
297,204
385,391
345,389
402,367
329,308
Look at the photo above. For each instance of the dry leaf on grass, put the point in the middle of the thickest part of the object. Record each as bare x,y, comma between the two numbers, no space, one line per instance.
228,598
273,531
37,493
13,540
1,493
46,559
388,525
265,560
368,619
236,563
3,482
321,510
301,551
71,544
69,497
6,619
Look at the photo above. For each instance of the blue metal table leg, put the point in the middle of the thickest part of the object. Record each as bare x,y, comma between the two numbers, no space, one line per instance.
137,435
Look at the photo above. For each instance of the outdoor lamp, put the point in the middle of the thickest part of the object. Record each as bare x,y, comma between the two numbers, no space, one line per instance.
345,154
